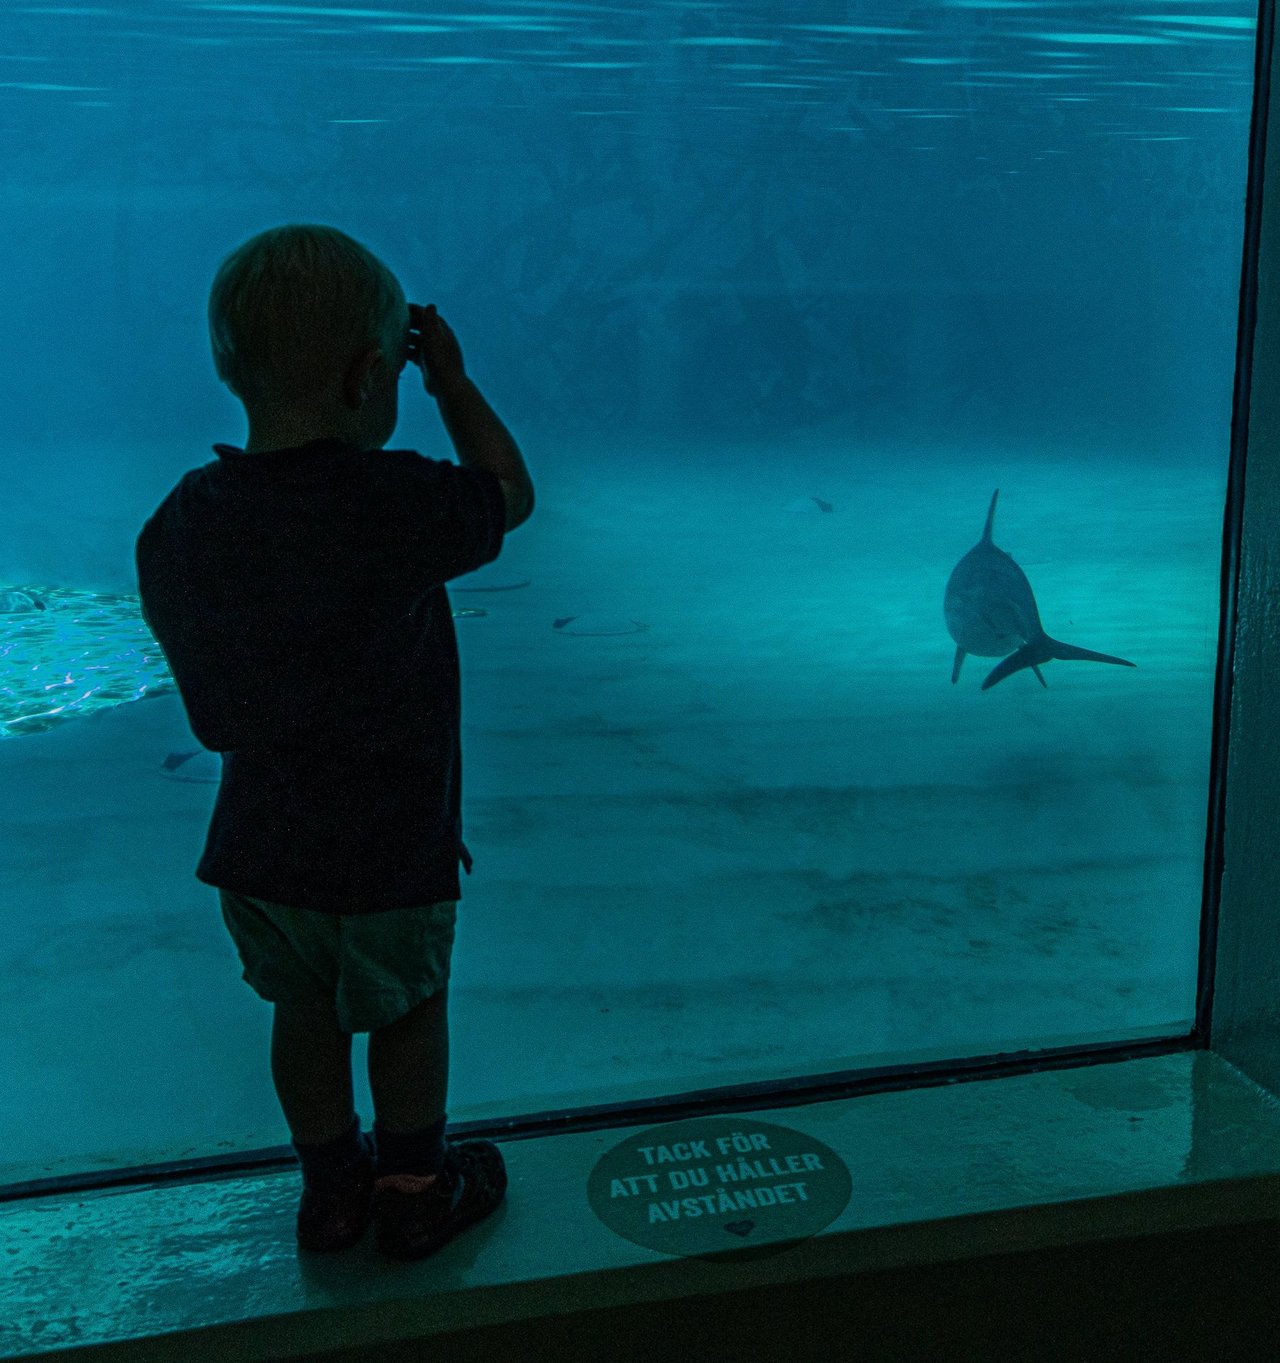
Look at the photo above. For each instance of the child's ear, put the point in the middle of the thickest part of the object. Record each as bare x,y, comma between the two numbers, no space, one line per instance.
360,372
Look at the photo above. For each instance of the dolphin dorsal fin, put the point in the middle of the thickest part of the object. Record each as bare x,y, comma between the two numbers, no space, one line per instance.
991,518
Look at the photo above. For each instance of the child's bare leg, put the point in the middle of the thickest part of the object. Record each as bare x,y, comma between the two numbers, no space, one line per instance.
409,1066
311,1068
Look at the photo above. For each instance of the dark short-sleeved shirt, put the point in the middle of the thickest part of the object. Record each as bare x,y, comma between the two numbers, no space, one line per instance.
298,596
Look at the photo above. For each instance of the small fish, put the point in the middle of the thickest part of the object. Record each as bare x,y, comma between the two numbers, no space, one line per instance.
991,611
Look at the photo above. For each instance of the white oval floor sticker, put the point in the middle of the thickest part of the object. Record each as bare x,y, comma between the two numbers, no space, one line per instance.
715,1184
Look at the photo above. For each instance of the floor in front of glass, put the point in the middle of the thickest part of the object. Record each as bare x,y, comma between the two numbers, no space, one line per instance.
759,834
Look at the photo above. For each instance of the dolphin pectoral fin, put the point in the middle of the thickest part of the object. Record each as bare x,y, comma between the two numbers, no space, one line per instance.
1040,676
955,668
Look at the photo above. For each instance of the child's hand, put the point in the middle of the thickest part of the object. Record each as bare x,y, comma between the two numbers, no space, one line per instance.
434,348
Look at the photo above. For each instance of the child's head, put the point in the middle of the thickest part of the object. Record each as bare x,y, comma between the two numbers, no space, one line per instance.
309,330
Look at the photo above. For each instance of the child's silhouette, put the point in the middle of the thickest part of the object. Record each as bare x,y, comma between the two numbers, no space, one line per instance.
296,587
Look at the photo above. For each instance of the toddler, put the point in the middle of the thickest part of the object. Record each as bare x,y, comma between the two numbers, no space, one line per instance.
296,588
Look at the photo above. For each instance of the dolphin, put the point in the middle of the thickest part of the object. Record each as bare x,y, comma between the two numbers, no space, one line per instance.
991,611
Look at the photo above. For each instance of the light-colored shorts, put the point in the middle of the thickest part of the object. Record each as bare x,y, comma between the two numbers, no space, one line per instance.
372,968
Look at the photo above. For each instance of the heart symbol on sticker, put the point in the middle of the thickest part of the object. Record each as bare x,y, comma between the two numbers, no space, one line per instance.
740,1227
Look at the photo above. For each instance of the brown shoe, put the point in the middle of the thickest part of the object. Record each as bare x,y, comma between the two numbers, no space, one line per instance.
413,1217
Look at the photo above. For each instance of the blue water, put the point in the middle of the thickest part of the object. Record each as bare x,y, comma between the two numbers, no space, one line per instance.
719,267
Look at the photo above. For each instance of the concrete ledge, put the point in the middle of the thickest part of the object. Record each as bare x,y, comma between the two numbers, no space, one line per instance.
1029,1165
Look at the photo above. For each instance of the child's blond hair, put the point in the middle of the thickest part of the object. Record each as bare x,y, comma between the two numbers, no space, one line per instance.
293,306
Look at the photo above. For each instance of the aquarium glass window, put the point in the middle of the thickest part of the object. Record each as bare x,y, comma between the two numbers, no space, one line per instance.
847,699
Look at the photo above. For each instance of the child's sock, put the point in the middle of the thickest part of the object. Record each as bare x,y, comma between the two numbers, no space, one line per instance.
327,1162
411,1152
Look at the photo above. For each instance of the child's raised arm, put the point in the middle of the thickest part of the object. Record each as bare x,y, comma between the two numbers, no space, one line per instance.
479,437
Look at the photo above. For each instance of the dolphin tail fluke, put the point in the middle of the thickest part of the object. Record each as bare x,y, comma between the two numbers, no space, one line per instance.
1041,651
1029,655
1085,655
